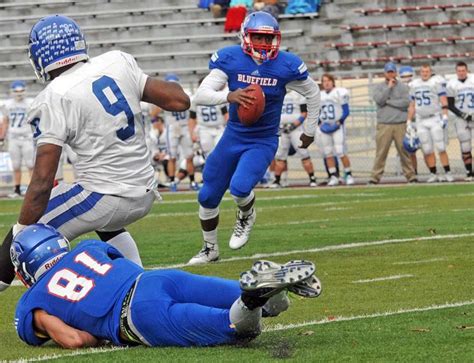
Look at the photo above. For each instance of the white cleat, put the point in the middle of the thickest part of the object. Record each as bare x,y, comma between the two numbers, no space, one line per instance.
243,227
432,179
449,177
267,278
274,185
441,179
350,180
468,178
208,253
333,181
313,184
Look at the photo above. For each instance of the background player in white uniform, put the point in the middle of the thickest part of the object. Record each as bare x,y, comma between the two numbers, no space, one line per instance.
18,132
206,124
93,105
293,114
179,142
461,104
332,132
430,105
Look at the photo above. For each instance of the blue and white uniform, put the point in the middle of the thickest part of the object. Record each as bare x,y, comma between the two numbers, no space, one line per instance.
463,94
334,110
243,154
429,124
178,137
90,287
19,134
210,122
293,105
94,107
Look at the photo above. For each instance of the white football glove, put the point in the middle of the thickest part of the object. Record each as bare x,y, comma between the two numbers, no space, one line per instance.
444,121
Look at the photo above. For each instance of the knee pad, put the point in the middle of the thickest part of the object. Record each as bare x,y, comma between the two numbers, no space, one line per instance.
240,189
208,213
339,150
440,146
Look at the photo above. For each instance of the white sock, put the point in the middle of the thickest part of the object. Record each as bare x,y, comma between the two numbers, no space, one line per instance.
126,245
210,236
244,201
244,320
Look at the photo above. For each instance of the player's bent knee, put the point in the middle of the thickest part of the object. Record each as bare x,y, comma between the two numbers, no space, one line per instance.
207,199
241,189
440,146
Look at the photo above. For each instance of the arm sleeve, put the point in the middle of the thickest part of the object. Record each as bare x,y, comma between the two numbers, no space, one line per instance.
48,120
309,89
25,326
452,107
381,94
211,91
344,99
139,77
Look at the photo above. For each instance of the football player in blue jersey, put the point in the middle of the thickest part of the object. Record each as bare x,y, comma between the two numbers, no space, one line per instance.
243,154
78,298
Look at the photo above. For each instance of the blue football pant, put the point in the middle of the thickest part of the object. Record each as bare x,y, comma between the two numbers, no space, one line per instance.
238,162
177,308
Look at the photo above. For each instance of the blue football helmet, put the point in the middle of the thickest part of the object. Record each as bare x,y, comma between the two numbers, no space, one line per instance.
328,128
260,22
411,142
35,250
18,89
55,41
171,77
406,73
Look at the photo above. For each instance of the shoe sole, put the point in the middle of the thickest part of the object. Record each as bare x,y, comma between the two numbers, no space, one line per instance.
203,262
309,288
263,275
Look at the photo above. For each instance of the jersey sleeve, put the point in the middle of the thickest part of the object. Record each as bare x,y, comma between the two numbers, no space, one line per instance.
343,96
450,89
136,72
298,68
24,324
441,86
221,60
48,120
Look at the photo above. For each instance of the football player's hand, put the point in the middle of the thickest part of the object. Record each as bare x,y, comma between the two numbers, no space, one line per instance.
194,137
242,97
305,141
467,117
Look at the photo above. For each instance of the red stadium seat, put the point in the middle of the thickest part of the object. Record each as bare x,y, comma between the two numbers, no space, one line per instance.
422,24
407,9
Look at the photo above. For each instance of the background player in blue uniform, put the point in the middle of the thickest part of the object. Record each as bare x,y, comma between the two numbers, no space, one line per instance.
244,153
93,293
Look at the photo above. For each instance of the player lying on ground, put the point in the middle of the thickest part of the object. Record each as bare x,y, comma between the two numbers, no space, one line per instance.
92,105
93,293
243,154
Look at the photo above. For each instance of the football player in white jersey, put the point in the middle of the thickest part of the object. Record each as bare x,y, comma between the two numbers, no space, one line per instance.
18,132
430,106
179,142
93,105
332,132
206,124
293,114
461,104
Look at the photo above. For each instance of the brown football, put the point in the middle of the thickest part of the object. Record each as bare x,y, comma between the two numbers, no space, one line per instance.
248,116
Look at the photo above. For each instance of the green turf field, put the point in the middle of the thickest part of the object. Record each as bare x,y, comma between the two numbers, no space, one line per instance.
396,263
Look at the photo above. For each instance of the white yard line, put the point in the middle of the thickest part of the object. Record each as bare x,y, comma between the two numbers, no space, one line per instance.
385,278
278,327
436,259
343,246
369,316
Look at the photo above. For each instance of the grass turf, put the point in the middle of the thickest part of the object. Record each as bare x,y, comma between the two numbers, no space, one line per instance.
437,271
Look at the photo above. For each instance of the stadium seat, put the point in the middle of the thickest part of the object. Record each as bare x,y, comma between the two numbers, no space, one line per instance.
422,24
397,42
407,9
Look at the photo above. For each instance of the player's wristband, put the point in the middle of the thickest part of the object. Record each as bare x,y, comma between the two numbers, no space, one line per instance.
301,119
